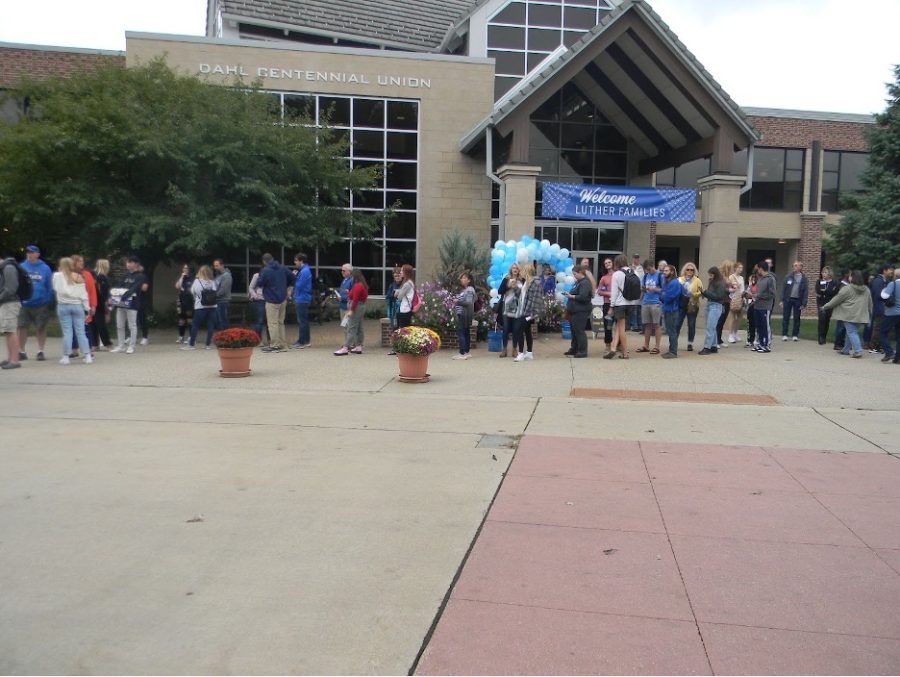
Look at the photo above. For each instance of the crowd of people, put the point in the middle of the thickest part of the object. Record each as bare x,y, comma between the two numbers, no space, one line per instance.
652,299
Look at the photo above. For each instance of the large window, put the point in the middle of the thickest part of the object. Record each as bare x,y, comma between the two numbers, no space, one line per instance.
777,180
382,133
524,32
841,174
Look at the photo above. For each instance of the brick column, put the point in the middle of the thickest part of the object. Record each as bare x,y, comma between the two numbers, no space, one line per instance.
521,181
810,254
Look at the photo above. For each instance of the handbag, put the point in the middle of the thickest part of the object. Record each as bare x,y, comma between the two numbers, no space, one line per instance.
737,302
208,296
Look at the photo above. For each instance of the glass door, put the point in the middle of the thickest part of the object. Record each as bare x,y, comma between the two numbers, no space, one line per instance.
592,258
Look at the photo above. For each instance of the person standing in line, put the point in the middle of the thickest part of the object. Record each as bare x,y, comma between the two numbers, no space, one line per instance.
390,297
604,287
763,303
129,302
793,300
621,308
690,303
651,306
464,311
877,285
508,292
749,294
579,308
548,280
72,305
204,313
36,308
735,285
302,295
224,282
143,319
10,308
672,293
274,280
530,306
356,313
715,295
890,297
344,289
258,304
840,332
184,303
853,306
826,289
634,317
662,266
404,296
91,286
100,326
727,270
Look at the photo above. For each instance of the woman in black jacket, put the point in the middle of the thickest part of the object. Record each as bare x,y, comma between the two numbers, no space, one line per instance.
579,308
826,289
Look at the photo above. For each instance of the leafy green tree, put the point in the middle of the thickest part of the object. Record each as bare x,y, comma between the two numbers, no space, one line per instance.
145,160
869,231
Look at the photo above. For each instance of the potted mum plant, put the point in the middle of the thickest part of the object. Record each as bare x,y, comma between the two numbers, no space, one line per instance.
413,345
235,347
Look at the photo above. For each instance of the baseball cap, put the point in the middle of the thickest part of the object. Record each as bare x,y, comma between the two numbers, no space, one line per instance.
33,249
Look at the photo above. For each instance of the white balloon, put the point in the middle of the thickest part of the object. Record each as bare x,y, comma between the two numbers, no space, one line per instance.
560,297
560,277
563,253
554,250
498,244
511,244
570,279
522,255
545,244
494,293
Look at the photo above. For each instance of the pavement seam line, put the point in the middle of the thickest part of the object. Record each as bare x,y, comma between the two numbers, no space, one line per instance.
805,632
462,565
577,611
687,594
855,434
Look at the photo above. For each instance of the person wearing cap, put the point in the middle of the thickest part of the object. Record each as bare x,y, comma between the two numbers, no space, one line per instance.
36,309
634,317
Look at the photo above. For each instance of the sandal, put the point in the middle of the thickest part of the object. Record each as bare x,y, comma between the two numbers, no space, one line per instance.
655,351
611,354
642,349
623,356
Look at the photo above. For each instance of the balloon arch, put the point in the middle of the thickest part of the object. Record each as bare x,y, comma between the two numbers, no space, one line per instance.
526,250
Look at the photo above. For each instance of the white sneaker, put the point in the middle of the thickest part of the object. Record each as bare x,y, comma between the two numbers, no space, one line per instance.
784,338
529,356
188,347
88,359
732,339
519,358
129,350
458,356
180,339
144,341
117,349
64,360
796,339
467,356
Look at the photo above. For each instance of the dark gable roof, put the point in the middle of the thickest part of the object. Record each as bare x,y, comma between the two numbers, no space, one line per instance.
416,24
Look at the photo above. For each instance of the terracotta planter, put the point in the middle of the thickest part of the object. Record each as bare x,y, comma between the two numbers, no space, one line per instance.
413,368
235,362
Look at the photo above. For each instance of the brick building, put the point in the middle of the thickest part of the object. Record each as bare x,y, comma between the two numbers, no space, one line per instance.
470,107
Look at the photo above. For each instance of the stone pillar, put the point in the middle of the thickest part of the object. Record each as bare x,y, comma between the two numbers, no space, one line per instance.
810,254
719,212
520,182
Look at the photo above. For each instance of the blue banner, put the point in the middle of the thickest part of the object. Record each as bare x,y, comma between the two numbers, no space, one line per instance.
618,203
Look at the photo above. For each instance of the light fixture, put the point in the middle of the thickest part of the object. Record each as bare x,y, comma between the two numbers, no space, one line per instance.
782,241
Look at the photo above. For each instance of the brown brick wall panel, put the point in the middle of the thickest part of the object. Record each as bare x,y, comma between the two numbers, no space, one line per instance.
38,64
800,133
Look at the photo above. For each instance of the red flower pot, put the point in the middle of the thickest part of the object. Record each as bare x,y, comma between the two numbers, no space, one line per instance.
413,368
235,362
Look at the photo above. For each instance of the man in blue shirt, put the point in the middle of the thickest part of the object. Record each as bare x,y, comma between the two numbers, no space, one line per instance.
344,289
274,280
302,295
651,306
36,310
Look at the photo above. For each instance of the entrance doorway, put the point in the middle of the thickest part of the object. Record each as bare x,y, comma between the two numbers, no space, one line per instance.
754,256
590,256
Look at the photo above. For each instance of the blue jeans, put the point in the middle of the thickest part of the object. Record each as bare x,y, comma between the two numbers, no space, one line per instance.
634,318
207,315
259,317
302,310
692,324
791,309
71,321
462,335
670,319
222,315
713,311
888,323
852,342
840,334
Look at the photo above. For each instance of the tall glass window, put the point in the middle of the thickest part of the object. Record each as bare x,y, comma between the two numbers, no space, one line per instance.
524,32
841,174
382,133
777,180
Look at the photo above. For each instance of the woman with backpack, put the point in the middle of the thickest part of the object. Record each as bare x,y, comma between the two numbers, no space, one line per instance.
621,306
184,302
203,291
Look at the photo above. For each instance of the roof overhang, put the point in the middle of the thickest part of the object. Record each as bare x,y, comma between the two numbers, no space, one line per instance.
645,81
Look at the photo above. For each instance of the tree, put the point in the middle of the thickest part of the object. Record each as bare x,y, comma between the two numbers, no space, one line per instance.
869,231
145,160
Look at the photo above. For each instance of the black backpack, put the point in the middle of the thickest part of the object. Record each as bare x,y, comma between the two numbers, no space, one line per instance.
26,289
632,288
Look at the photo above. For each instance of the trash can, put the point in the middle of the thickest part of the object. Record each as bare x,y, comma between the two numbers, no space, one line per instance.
495,341
566,330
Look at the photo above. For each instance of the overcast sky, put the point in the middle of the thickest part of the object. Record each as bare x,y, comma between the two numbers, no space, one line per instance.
825,55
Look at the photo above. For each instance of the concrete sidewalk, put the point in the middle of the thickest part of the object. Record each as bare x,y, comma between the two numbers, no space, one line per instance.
312,518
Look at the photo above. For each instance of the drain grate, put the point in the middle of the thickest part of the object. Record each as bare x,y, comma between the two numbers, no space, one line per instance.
498,441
